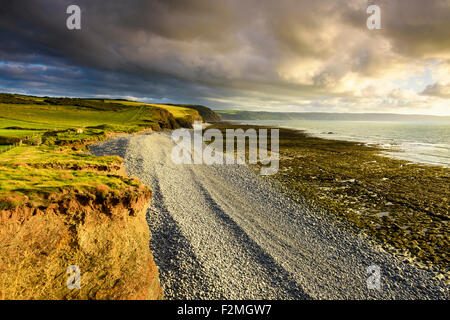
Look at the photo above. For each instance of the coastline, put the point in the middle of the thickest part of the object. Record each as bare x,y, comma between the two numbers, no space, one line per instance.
64,209
65,214
375,193
423,153
224,232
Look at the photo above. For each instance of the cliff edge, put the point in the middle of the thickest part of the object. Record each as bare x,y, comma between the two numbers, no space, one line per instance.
103,233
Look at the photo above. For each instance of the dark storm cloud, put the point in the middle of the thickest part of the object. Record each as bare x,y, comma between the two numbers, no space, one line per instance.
437,90
216,52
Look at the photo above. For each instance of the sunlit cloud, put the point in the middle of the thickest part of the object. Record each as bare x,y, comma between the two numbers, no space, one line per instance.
289,55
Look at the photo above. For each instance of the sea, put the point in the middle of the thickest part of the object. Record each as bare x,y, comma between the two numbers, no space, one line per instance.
418,142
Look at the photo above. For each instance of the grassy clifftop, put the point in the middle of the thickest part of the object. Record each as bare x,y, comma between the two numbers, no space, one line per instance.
206,113
61,206
48,137
43,114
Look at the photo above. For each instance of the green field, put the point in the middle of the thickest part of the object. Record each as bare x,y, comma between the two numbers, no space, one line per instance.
65,117
65,113
177,112
50,137
4,147
25,117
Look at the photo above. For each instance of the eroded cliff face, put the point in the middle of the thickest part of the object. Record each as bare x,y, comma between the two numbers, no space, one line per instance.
105,234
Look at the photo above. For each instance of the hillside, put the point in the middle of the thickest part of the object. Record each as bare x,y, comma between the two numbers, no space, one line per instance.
61,206
184,116
63,113
264,115
206,113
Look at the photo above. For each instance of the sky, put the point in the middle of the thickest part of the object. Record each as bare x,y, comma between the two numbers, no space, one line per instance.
283,55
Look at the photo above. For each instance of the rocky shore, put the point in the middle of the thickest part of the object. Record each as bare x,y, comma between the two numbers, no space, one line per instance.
223,232
402,206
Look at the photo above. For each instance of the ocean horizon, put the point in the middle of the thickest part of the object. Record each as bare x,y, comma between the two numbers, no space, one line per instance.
426,142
